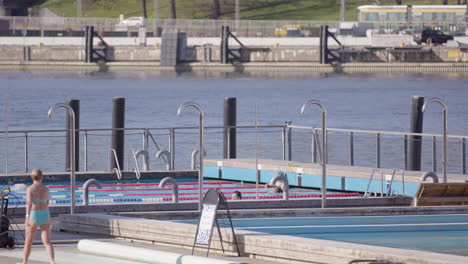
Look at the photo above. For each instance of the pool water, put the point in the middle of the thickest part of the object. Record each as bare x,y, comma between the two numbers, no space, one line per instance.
436,233
148,191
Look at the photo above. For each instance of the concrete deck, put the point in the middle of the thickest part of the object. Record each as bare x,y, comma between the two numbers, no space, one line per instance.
67,253
280,248
315,168
100,175
346,178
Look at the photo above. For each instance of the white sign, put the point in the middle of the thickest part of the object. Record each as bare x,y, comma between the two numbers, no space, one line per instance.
219,163
206,224
300,170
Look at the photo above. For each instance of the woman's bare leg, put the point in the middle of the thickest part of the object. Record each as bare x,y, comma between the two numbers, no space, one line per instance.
30,230
45,236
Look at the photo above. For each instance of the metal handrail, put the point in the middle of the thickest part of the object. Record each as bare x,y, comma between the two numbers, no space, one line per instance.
117,170
167,155
137,167
287,146
156,144
195,152
389,187
377,132
366,194
86,186
317,145
240,127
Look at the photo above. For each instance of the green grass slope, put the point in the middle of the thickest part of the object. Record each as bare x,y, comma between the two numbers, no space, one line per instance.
318,10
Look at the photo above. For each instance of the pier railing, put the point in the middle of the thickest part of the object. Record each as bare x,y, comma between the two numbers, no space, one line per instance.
26,149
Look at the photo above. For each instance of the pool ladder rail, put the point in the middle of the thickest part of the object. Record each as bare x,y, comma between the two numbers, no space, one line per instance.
117,171
389,192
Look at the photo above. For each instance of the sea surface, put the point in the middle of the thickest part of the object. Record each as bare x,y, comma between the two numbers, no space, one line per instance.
352,101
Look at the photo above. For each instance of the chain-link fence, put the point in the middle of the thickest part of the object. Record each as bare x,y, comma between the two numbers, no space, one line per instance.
24,150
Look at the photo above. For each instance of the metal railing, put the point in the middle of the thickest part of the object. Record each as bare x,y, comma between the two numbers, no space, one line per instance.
27,149
111,27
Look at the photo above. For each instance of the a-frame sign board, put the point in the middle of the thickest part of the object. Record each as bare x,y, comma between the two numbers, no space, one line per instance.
213,201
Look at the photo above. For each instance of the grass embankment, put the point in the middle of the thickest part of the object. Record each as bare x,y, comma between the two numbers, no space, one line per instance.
317,10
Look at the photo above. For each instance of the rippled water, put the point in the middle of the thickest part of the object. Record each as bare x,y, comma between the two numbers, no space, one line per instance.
358,101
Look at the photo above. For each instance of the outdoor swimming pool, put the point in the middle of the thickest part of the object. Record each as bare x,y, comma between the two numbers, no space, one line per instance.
148,191
436,233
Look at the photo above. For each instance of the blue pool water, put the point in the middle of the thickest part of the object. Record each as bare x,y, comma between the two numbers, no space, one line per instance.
148,191
436,233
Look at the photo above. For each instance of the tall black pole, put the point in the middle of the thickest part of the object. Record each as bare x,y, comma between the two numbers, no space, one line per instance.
230,119
416,126
75,105
323,44
118,135
173,14
143,7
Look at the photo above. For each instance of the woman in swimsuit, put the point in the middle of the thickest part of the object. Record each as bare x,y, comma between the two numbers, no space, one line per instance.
37,215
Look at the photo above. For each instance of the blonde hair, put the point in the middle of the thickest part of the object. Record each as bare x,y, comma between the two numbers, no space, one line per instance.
36,174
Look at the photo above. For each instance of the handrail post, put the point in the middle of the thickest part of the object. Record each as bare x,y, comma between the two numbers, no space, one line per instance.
289,142
324,146
85,150
283,141
378,150
434,154
172,146
71,114
351,148
145,139
445,128
201,135
26,152
405,152
463,149
314,146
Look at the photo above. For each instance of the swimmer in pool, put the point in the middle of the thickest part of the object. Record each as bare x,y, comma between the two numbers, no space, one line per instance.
37,215
236,195
278,186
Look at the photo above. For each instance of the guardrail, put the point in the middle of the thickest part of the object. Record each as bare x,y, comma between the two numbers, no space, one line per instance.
23,150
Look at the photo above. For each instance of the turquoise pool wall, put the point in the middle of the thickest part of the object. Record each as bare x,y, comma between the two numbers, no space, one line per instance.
310,180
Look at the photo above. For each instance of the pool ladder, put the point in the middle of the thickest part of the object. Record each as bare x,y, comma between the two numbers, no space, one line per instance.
389,184
366,194
117,170
389,191
135,155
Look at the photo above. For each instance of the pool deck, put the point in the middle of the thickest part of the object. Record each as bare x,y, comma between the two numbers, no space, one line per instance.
279,248
339,177
100,175
332,170
66,250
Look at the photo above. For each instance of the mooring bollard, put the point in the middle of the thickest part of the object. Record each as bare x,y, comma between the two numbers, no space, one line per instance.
118,134
416,126
230,120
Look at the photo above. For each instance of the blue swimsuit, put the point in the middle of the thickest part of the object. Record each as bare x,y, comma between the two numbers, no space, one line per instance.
40,217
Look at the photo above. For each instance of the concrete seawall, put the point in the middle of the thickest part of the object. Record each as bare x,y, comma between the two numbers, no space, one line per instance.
266,58
273,69
264,54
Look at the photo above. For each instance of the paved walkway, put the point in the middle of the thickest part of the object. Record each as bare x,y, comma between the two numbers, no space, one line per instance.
67,252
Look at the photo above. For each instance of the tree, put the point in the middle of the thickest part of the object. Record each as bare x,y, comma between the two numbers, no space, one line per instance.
173,9
399,2
216,13
445,2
